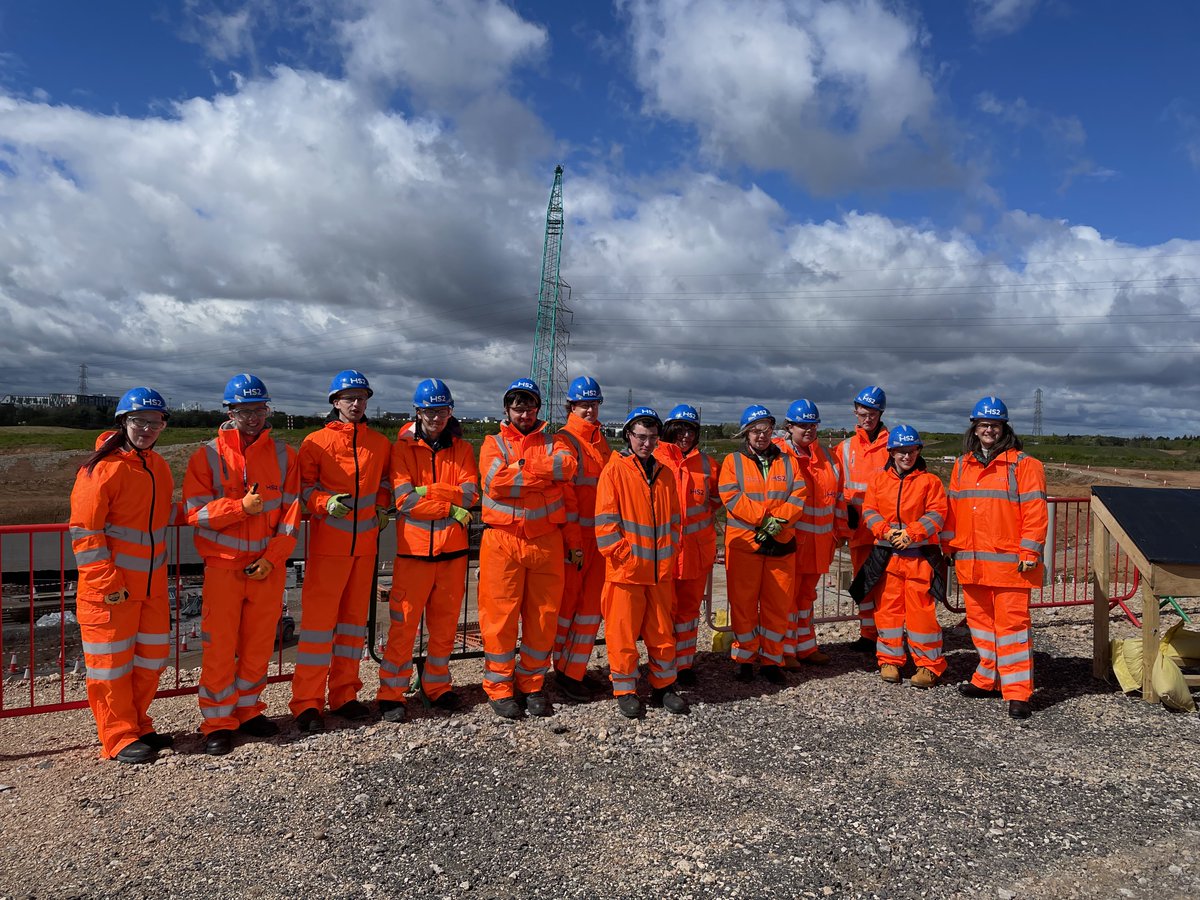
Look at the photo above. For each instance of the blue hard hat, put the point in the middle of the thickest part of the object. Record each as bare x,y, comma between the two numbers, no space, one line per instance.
641,412
872,397
684,413
804,412
584,388
245,388
525,385
991,409
903,436
140,399
432,393
347,380
752,414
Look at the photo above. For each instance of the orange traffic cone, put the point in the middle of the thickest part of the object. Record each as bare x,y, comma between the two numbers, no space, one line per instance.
12,665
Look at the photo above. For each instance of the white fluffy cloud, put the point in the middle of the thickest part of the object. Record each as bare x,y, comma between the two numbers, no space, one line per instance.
997,18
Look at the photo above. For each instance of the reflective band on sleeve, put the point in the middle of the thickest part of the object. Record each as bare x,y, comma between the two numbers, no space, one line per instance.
86,557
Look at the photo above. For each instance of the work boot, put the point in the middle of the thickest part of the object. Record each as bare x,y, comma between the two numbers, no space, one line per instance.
310,721
506,708
219,742
816,658
157,741
260,727
889,673
669,699
1019,709
449,701
773,674
538,704
863,645
137,752
630,706
924,678
572,688
791,663
972,690
354,710
590,683
745,672
393,711
686,677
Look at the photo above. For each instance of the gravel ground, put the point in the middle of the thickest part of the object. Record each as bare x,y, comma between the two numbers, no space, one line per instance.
836,785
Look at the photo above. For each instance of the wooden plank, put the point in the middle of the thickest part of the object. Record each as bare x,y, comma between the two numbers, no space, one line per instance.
1151,633
1123,540
1101,583
1175,580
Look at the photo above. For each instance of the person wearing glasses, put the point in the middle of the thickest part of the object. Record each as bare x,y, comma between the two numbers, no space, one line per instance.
521,558
763,492
435,484
996,534
120,509
241,494
345,486
862,455
905,510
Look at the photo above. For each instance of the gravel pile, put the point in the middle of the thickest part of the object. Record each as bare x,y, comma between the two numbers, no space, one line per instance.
836,785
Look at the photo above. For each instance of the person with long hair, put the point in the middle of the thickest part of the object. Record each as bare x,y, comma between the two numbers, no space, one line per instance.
120,509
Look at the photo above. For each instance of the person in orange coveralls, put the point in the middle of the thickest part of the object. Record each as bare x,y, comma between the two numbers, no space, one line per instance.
344,485
862,455
997,534
763,492
435,484
638,530
579,614
695,475
242,495
120,509
820,530
525,471
905,509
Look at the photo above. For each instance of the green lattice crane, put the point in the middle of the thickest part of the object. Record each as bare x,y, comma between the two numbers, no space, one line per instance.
549,367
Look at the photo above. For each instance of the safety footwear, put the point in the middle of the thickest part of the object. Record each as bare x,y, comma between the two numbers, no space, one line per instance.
506,708
816,658
538,704
863,645
1019,709
924,678
260,726
310,721
889,673
448,701
393,711
686,677
354,710
970,689
219,742
157,741
630,706
137,752
590,683
773,674
791,664
745,672
572,688
669,699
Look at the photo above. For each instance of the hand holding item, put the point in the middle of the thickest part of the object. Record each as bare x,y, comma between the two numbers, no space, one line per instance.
336,506
259,569
252,503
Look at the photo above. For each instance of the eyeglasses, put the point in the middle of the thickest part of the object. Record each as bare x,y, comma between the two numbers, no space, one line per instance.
643,438
351,398
245,415
911,451
440,412
523,410
809,426
989,426
760,431
867,413
148,424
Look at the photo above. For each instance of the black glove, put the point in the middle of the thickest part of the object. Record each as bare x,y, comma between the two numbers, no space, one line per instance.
852,517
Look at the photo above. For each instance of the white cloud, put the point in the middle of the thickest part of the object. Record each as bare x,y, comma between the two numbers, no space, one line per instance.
998,18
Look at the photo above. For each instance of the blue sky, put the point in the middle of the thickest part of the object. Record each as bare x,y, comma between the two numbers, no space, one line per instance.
765,200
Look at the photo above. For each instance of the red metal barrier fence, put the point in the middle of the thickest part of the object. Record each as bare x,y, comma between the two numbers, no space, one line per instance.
42,657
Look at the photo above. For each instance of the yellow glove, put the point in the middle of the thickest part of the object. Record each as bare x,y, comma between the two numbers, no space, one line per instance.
771,526
259,569
463,515
336,506
117,597
1026,564
382,517
421,491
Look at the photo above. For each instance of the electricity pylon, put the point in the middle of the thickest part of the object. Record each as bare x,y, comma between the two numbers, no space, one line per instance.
549,367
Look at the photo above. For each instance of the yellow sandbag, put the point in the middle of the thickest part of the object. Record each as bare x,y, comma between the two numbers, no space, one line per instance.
722,641
1127,663
1170,685
1181,646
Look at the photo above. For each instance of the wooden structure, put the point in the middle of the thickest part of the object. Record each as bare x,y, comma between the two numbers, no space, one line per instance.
1159,530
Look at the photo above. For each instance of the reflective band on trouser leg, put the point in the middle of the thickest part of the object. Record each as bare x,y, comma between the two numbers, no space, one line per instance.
350,633
221,620
689,595
108,634
256,641
981,620
866,609
774,603
324,581
543,560
920,618
441,621
658,633
806,596
585,621
412,583
1014,646
501,589
743,579
889,617
623,605
152,647
572,589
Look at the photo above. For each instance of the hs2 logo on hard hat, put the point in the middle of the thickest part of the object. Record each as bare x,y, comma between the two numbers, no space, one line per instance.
439,398
252,392
991,411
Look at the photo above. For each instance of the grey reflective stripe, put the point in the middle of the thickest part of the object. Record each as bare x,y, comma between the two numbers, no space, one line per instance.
395,614
281,457
946,536
248,700
647,553
769,634
607,540
351,526
98,648
491,473
737,524
746,637
411,498
306,494
216,468
698,525
556,471
1030,496
496,677
588,620
217,696
925,637
289,499
440,661
1017,637
581,657
286,529
109,674
388,666
132,563
435,677
689,644
313,659
355,631
978,634
217,712
85,557
500,658
526,650
816,511
243,685
233,543
987,557
518,512
77,533
205,637
316,637
622,681
346,652
742,655
1036,546
1008,679
586,480
662,667
683,627
699,510
129,535
891,633
1011,659
151,639
364,501
608,519
985,670
980,494
586,521
470,493
928,652
650,532
810,528
197,502
272,504
870,517
932,520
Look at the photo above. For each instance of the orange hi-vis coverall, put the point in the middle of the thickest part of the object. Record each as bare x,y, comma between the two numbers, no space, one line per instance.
998,518
638,530
760,586
119,518
240,616
521,557
430,574
695,477
341,458
861,459
915,502
819,531
579,614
